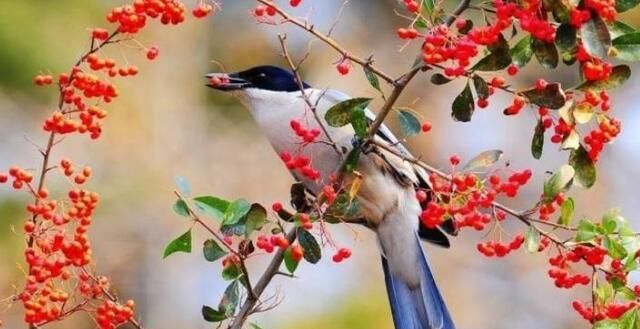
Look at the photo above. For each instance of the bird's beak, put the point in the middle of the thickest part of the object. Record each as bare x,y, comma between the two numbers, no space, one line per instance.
226,82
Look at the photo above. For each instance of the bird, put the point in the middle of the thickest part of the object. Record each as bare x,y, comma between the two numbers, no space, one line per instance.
387,194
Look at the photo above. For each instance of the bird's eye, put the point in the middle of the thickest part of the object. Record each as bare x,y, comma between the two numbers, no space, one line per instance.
262,75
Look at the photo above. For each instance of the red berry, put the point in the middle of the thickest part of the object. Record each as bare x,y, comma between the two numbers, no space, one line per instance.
343,68
512,70
426,127
454,160
277,206
295,3
152,53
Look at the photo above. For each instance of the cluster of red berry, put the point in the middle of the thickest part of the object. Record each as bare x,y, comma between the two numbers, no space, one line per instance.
301,163
132,18
268,244
606,9
493,248
307,136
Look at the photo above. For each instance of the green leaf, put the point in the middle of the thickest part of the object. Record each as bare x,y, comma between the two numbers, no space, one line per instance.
546,53
532,239
585,167
552,96
628,47
587,231
567,43
236,210
558,182
289,262
180,244
619,28
312,252
537,143
231,272
212,250
212,206
522,52
619,75
630,319
211,315
481,86
342,209
561,13
439,79
464,105
609,224
256,218
340,114
230,299
428,6
606,324
498,58
351,163
566,212
180,208
624,5
483,160
628,294
359,121
372,78
614,248
595,37
408,122
604,292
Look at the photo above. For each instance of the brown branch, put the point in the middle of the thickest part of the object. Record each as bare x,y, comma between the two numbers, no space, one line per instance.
296,72
367,63
272,269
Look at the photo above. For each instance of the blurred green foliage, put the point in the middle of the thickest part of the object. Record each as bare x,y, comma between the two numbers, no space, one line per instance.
33,40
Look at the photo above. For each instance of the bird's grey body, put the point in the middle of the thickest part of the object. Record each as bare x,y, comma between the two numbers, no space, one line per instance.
386,196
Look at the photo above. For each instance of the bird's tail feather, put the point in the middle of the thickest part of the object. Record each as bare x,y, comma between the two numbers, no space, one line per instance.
418,307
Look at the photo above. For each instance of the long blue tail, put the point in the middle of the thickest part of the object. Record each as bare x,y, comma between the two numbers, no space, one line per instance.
420,307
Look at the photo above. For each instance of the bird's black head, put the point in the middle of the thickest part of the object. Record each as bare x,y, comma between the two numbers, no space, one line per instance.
264,77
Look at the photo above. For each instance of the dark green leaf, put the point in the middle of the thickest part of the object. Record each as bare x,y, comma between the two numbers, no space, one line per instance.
212,251
372,78
408,122
587,231
628,47
481,86
180,244
614,248
211,315
256,218
619,28
180,208
342,209
464,105
498,58
619,75
624,5
359,121
566,212
552,96
236,210
546,53
560,11
230,299
340,114
558,182
483,160
212,206
231,272
532,239
352,160
537,143
289,262
585,167
522,52
312,252
595,37
567,42
439,79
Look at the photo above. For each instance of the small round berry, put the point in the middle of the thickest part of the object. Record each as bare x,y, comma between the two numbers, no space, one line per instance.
454,160
343,68
426,127
276,206
152,53
512,70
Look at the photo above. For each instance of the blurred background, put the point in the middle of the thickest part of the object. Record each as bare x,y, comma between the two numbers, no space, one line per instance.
167,124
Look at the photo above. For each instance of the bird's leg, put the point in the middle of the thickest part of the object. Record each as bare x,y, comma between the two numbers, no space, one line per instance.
365,146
